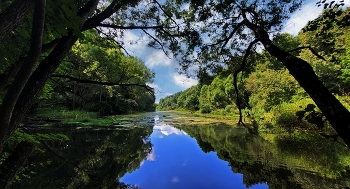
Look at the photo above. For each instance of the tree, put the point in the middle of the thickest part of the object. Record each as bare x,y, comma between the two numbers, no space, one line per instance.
25,75
223,29
327,36
95,61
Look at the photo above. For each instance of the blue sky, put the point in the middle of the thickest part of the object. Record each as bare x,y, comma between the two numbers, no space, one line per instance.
167,81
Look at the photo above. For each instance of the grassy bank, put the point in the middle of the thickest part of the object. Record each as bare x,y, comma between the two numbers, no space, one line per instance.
79,117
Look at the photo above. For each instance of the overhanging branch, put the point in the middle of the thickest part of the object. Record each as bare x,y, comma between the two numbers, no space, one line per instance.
131,27
109,11
103,83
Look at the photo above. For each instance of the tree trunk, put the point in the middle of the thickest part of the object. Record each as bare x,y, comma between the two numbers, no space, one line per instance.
15,162
13,93
337,115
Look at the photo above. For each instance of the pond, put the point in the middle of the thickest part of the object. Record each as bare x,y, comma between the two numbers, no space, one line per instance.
170,153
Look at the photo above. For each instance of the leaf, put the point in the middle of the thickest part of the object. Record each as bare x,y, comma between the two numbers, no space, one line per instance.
325,5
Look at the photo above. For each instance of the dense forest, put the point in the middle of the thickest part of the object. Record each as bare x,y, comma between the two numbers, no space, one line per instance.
70,54
268,93
96,76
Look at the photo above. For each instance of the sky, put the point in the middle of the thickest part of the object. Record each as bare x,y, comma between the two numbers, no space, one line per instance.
167,81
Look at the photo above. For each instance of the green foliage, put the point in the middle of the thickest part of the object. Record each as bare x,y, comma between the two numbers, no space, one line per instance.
46,93
270,88
97,59
328,36
205,108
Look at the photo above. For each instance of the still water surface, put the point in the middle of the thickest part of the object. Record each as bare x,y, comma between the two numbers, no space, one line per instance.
163,151
177,161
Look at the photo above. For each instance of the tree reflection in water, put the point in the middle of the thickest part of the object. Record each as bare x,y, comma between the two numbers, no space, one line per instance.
90,159
290,161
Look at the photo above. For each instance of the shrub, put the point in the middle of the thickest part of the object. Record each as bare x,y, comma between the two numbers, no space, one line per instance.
286,115
205,108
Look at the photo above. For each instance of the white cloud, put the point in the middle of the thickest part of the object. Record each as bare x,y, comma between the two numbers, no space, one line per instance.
183,81
151,156
168,130
300,18
137,46
157,57
156,87
307,13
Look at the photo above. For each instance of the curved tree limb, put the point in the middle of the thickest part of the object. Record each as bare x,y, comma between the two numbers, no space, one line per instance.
42,73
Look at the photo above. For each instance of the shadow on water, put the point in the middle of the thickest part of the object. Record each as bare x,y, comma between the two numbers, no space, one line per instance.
90,159
300,161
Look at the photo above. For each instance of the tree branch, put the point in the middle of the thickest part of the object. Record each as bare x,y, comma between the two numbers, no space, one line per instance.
131,27
112,39
102,83
227,39
157,42
93,21
166,13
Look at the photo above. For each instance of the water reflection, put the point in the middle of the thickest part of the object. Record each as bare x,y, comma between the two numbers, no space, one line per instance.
302,161
90,159
179,162
183,157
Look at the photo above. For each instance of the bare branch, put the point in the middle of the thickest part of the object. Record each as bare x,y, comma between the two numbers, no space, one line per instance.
311,49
